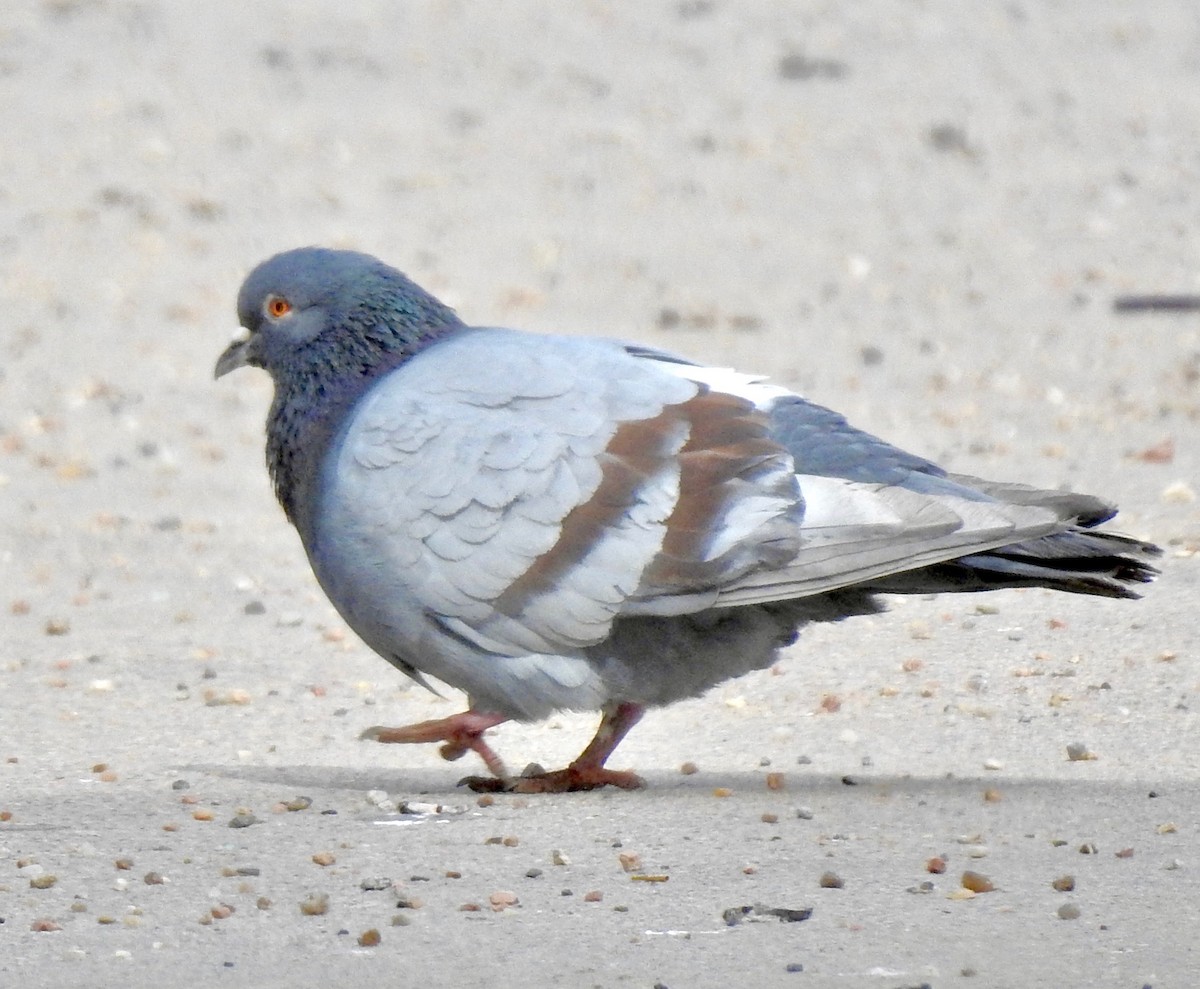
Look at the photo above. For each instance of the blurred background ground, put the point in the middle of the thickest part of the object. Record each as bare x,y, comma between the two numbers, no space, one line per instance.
919,213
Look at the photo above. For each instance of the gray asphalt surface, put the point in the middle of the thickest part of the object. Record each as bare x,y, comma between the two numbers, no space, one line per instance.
917,213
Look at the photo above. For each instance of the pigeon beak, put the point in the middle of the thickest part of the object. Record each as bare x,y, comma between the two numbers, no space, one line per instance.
235,356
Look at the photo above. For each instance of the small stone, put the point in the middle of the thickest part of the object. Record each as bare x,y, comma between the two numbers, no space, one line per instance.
804,813
689,769
242,820
769,818
935,865
992,764
534,873
324,858
976,882
202,814
123,864
593,896
776,781
370,938
153,879
559,857
1088,848
502,899
221,911
44,881
830,880
44,924
722,791
375,883
1068,911
263,903
1064,884
630,862
1078,752
315,905
298,803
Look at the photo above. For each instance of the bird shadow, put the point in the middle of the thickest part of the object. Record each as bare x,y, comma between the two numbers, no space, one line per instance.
446,783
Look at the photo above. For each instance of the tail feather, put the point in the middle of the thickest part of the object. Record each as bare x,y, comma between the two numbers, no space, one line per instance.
1075,560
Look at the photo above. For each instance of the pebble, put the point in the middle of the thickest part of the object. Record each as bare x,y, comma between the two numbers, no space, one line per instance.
831,880
976,882
804,813
1078,752
242,820
630,862
315,905
502,899
559,857
324,858
370,938
375,883
1068,911
689,769
1064,884
776,781
417,807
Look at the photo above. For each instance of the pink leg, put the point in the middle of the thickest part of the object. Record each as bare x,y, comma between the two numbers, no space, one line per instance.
459,732
587,772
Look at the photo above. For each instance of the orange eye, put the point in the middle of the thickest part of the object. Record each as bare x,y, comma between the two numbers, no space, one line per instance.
278,306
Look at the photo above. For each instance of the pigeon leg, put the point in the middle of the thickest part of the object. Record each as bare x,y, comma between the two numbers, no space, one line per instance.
587,772
459,732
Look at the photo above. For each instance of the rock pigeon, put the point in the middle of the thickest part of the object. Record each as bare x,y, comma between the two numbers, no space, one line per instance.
559,523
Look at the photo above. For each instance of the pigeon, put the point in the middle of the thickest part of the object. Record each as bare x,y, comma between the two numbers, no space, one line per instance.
556,523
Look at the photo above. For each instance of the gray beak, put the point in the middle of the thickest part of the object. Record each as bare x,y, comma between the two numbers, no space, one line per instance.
234,356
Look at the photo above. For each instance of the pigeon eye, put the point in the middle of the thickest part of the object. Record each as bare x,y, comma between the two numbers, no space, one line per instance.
278,306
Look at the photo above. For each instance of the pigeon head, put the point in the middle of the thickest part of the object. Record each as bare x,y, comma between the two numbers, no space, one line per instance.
326,312
325,325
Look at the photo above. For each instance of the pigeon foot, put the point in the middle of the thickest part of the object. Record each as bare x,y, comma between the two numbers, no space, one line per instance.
460,733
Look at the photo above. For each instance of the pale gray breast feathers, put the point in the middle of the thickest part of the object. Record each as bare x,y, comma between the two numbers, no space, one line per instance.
531,489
